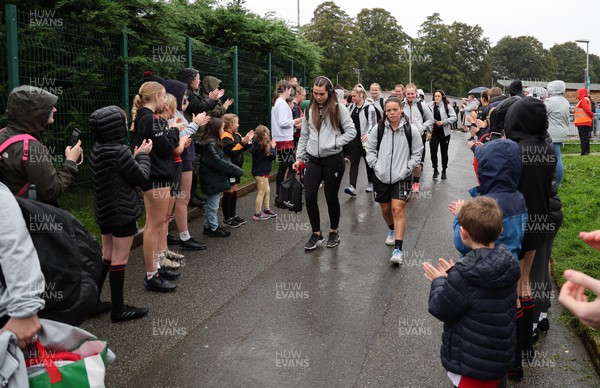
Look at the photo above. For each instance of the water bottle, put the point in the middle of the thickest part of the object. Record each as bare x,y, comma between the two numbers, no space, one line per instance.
31,193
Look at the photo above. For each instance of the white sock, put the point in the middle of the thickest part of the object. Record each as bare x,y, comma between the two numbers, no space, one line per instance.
543,316
184,236
149,275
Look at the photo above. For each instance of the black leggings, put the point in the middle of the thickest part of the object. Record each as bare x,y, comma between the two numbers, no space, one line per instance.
584,138
330,170
424,139
355,163
438,138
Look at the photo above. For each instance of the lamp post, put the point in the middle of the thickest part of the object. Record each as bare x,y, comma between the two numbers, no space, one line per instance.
410,63
357,74
587,62
337,78
431,87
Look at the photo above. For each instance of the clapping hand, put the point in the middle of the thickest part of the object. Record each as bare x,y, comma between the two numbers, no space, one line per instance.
455,206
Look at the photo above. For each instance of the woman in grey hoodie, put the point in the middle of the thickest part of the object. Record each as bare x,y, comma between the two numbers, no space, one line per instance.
326,128
558,110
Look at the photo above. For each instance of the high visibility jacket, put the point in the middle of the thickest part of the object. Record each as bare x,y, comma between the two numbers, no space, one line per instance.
581,118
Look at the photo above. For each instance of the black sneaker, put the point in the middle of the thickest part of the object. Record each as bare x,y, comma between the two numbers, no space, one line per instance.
232,222
158,284
333,240
206,231
436,173
196,202
128,313
219,232
102,308
239,219
172,240
167,274
444,174
313,241
192,245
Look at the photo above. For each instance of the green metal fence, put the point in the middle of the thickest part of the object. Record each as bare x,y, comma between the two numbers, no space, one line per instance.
88,70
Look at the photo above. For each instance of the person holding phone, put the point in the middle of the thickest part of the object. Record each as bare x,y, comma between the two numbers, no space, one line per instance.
27,161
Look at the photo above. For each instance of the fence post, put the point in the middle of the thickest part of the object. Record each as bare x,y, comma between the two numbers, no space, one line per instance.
12,46
304,75
269,91
125,78
188,51
235,81
292,72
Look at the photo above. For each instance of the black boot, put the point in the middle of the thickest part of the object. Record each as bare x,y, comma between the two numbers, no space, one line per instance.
527,304
444,173
436,173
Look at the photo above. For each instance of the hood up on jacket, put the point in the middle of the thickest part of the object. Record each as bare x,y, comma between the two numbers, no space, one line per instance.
516,88
526,120
187,75
28,109
499,166
210,83
556,88
177,89
489,267
108,125
581,93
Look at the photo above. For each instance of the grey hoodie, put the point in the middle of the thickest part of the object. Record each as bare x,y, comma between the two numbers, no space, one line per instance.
366,125
392,163
558,110
327,141
24,281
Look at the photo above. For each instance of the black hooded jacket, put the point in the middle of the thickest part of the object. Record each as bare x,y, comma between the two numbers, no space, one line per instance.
498,116
527,124
115,171
197,104
477,304
27,112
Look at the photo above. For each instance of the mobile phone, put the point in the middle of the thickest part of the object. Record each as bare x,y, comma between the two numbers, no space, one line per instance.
74,137
185,99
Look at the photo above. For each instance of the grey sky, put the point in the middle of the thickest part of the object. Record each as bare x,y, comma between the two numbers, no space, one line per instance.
550,22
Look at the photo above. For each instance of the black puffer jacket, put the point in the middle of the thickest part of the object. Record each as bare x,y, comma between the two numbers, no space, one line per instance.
215,169
115,171
197,103
527,124
477,303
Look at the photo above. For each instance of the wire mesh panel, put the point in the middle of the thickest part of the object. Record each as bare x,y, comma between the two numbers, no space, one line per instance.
3,70
254,94
76,64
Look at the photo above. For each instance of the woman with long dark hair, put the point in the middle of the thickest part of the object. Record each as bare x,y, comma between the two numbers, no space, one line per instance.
444,117
326,128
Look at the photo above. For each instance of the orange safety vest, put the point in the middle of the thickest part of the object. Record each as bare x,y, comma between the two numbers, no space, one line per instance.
580,117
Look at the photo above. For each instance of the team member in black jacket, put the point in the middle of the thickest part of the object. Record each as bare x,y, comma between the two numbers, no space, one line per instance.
234,146
148,125
476,300
116,171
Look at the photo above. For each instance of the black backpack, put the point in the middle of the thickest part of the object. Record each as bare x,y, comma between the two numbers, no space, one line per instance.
290,193
70,258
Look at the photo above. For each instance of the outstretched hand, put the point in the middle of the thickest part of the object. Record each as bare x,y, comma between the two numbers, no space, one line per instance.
572,296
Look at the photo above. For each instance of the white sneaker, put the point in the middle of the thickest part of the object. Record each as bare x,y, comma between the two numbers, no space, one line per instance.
350,190
390,239
370,188
396,257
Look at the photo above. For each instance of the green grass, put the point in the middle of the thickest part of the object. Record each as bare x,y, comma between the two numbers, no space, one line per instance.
575,147
580,199
79,200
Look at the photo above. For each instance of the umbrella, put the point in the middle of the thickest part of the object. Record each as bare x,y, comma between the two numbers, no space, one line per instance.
477,91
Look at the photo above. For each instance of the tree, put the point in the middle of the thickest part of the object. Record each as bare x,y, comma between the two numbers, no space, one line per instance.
344,46
522,57
570,62
471,51
384,39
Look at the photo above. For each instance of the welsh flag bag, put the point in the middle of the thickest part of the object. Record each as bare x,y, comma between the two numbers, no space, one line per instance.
67,356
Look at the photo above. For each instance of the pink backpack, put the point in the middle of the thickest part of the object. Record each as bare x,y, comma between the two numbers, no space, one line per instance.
15,139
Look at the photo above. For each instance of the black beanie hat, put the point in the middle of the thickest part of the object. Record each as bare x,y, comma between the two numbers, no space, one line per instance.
187,75
516,88
148,76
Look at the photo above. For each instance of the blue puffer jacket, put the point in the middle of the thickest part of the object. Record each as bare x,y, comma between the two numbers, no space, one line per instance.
499,171
477,303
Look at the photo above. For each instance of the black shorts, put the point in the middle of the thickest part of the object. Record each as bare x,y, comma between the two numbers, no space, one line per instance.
152,184
176,186
188,156
127,230
385,192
